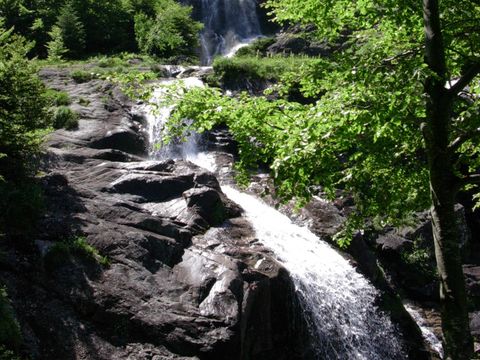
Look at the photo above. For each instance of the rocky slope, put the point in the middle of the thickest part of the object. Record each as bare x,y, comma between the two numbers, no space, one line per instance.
177,274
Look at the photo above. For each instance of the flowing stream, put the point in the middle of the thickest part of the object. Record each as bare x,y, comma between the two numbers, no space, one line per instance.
430,338
229,25
338,302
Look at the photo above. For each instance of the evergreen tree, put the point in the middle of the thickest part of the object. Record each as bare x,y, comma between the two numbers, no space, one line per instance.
172,32
56,47
72,31
23,119
22,107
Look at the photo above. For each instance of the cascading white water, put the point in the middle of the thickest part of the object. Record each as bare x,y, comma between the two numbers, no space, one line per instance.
228,25
157,118
430,338
338,302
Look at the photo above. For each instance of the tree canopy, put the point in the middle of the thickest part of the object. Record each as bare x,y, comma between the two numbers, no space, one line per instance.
170,31
23,122
91,27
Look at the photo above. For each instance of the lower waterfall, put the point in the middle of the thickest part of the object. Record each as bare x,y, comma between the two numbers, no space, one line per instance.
337,301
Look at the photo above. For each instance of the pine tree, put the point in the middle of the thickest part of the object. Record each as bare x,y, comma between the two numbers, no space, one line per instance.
72,31
56,47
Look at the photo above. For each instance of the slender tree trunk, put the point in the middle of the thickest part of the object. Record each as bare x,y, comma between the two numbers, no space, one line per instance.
458,343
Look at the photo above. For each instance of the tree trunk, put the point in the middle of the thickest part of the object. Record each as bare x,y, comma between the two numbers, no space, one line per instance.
458,344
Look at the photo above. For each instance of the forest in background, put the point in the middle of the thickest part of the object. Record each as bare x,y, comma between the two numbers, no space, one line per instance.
75,29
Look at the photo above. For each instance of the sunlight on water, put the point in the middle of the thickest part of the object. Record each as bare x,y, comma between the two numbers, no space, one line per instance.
430,338
337,300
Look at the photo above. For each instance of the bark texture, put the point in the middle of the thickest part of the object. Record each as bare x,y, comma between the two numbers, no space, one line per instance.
458,344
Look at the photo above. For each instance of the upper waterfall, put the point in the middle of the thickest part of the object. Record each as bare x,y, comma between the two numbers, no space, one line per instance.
228,23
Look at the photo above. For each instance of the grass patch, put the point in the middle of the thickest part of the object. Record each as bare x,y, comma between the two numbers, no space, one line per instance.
64,117
63,252
82,76
59,98
10,334
83,101
230,71
129,59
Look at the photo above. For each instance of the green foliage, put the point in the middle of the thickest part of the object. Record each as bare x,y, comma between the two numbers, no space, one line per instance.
10,335
251,68
21,203
64,117
23,119
362,135
56,46
83,101
58,98
91,26
133,84
171,32
110,62
257,47
71,30
82,76
307,145
63,252
421,261
6,354
108,25
23,107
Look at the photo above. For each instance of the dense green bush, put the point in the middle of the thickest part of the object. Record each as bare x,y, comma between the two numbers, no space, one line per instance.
171,32
81,76
257,47
230,70
10,335
58,98
64,117
21,203
23,108
23,119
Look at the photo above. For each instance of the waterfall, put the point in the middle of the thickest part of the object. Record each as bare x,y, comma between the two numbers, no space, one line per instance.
157,116
430,338
337,301
228,25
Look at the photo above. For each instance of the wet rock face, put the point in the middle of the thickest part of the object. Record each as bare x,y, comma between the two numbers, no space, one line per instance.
185,279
